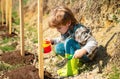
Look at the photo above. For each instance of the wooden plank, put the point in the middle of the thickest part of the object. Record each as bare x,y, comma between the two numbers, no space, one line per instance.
21,27
40,39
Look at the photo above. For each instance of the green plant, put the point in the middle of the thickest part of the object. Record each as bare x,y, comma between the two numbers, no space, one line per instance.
7,48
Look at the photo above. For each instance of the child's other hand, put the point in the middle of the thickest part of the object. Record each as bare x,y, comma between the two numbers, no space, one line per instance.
79,53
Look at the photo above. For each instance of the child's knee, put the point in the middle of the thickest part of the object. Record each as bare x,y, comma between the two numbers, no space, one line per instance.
72,42
59,49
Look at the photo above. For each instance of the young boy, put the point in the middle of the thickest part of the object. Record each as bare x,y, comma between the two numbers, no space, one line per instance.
75,39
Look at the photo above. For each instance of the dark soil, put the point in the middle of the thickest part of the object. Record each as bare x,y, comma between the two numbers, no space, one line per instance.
8,35
3,28
14,58
25,72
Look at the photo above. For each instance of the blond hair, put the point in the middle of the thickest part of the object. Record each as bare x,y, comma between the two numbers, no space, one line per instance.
60,16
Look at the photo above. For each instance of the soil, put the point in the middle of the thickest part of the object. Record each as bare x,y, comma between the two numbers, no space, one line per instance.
3,28
8,35
25,72
14,58
116,55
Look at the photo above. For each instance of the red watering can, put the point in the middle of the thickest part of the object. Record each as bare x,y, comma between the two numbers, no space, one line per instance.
47,46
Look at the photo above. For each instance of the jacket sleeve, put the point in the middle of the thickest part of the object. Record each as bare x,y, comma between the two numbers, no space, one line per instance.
86,39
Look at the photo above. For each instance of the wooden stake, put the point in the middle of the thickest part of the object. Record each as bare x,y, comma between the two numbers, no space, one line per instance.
21,27
7,14
40,39
10,16
2,11
70,3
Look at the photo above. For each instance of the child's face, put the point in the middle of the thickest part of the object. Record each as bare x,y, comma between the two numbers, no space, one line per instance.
63,28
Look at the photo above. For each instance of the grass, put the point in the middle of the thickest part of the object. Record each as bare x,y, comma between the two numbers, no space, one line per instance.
16,18
5,40
7,48
115,74
5,66
35,40
25,1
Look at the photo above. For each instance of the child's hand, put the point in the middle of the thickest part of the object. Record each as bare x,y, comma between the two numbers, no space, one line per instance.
79,53
51,41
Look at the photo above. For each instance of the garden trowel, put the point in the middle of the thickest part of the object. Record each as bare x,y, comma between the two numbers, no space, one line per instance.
64,61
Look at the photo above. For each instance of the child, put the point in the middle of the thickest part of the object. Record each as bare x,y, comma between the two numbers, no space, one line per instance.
75,39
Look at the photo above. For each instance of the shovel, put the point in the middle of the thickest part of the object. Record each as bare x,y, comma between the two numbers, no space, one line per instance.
64,61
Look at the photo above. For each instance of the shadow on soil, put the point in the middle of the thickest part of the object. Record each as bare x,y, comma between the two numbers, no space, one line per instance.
100,60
